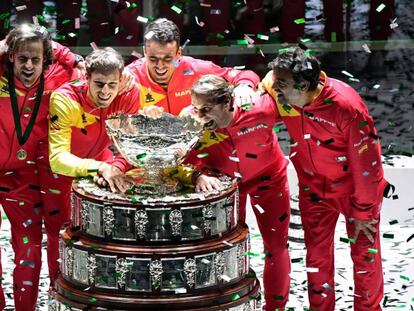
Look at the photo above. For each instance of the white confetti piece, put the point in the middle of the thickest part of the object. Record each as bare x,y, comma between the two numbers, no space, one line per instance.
149,35
199,23
366,48
234,159
274,29
77,23
21,8
259,208
142,19
347,73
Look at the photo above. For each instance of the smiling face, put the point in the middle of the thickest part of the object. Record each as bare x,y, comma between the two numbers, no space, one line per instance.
28,62
103,88
213,116
161,60
287,90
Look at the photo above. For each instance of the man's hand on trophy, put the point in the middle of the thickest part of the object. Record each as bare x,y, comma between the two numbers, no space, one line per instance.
206,183
109,175
154,112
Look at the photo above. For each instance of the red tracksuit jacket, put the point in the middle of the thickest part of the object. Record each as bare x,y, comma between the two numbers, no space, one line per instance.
55,75
177,96
334,147
247,148
77,136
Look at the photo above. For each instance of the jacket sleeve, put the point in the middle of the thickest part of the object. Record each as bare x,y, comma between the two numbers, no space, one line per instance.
234,76
63,54
63,115
364,158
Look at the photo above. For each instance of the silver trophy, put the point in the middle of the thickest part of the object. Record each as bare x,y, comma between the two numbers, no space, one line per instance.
154,146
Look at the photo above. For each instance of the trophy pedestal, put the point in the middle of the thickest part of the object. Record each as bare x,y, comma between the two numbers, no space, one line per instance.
177,252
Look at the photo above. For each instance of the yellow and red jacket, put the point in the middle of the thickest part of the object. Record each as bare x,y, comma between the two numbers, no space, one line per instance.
334,146
247,149
78,142
177,95
57,73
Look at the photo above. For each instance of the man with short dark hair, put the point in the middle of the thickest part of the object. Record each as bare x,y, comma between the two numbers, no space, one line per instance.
27,76
337,155
78,143
165,76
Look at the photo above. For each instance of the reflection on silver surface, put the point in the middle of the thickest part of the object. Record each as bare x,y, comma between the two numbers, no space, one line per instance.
153,145
124,224
138,276
219,263
173,276
205,273
105,271
80,266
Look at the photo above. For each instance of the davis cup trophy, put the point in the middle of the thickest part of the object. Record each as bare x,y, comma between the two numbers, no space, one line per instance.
160,246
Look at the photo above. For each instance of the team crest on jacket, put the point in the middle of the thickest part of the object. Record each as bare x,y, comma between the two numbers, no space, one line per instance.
148,97
210,139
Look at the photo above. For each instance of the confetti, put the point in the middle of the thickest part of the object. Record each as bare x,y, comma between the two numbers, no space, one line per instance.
77,23
262,37
93,45
21,8
176,9
215,12
149,35
202,155
366,48
259,208
25,240
234,159
199,23
274,29
347,73
372,251
299,21
380,7
142,19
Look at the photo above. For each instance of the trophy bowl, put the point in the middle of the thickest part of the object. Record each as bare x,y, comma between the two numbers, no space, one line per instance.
153,146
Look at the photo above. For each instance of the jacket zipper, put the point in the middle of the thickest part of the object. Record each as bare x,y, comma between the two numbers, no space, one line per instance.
234,148
100,133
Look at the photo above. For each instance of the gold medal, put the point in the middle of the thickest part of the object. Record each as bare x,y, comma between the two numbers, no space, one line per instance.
21,154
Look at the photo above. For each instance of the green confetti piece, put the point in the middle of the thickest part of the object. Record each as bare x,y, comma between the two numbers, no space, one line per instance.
393,222
281,51
202,155
333,36
380,7
40,18
310,52
27,108
403,277
54,191
93,170
299,21
134,200
219,36
287,107
176,9
305,40
21,203
6,24
278,297
92,299
25,240
347,240
66,21
246,106
242,42
251,254
363,123
276,129
141,156
235,297
372,250
263,37
250,275
174,172
328,101
4,15
388,235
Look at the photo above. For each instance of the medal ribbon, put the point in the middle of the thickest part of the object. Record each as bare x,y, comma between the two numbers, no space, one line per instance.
15,107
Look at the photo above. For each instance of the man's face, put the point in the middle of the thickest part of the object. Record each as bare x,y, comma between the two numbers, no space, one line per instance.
213,116
288,91
28,62
161,60
103,88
